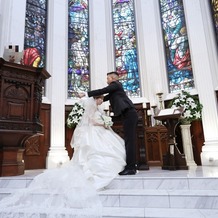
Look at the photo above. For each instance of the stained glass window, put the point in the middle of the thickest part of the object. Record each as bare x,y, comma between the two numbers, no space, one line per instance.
177,49
35,32
126,46
78,47
214,7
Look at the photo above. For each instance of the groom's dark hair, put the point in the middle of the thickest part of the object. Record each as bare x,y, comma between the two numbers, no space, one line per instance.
113,72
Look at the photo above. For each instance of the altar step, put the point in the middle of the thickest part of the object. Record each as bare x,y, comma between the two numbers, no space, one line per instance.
160,203
150,194
163,194
121,212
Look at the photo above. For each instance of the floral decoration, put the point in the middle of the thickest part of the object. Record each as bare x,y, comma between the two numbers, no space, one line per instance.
107,121
75,115
192,106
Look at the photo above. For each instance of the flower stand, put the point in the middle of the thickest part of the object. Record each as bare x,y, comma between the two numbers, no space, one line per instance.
187,144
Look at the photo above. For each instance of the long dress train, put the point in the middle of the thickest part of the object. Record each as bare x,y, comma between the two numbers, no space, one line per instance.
56,193
71,191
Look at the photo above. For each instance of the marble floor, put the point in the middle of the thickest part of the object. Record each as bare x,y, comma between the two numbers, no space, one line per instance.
180,193
192,172
158,193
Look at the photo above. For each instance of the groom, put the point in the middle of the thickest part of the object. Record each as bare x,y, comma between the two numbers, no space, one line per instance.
121,106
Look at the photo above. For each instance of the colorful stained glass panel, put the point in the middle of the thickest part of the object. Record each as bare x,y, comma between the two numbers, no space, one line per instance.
126,57
78,47
214,7
35,31
178,58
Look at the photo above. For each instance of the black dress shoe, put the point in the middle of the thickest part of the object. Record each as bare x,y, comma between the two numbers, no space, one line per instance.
127,172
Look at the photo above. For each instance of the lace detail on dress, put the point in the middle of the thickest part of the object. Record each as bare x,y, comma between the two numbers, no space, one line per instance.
57,193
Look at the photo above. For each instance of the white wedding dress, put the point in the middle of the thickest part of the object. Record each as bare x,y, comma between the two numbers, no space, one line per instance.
71,191
100,151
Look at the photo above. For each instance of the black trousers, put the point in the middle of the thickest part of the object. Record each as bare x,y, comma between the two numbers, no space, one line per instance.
130,120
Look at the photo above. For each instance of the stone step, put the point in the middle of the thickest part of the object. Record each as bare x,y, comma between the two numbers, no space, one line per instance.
140,181
178,183
122,212
192,199
152,194
15,183
137,183
21,181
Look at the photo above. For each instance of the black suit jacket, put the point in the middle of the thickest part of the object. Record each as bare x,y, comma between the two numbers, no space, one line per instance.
119,101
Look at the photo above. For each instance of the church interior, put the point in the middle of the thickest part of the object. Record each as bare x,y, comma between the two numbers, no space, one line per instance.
166,55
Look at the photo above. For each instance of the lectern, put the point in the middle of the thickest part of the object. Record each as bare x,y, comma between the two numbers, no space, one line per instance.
20,102
173,159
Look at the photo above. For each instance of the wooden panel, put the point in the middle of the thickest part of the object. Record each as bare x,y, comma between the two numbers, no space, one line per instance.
37,146
197,134
20,102
156,139
8,157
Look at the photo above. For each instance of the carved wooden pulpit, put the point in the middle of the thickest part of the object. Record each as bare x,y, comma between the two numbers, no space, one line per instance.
20,102
173,159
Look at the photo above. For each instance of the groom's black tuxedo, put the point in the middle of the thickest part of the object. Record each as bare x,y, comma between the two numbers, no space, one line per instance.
119,101
122,106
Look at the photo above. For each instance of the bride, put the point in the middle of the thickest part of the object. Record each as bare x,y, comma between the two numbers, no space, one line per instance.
72,190
100,151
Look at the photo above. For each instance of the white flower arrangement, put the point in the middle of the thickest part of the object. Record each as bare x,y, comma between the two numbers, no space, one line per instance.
107,121
192,106
75,115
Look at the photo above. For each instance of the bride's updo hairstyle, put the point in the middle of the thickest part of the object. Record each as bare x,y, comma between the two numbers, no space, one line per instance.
90,107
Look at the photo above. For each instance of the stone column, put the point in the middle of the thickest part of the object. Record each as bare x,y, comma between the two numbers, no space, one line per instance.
12,23
205,67
151,50
56,87
101,42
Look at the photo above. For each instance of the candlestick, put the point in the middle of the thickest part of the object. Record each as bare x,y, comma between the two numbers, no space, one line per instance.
155,113
159,95
154,109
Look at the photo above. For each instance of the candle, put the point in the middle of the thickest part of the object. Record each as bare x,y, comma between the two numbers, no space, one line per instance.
149,112
144,105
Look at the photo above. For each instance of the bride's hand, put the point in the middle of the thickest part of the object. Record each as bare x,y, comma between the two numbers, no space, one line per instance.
81,94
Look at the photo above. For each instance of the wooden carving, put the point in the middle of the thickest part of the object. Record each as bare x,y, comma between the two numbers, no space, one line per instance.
20,103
